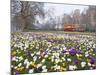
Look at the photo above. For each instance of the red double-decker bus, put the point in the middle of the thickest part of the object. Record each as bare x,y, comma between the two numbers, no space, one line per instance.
69,27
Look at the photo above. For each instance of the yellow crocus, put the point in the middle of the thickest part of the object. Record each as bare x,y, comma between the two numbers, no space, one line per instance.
14,53
20,68
33,64
63,69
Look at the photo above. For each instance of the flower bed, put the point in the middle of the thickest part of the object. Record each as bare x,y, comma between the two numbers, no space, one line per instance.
35,52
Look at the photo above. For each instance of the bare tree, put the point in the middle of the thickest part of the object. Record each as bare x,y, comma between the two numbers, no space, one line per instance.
24,13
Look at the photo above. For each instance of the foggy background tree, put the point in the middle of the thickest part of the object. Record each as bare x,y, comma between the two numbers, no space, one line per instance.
89,18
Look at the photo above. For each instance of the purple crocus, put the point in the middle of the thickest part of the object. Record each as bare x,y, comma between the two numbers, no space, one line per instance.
45,52
72,52
79,51
76,62
88,49
55,49
93,61
17,73
64,51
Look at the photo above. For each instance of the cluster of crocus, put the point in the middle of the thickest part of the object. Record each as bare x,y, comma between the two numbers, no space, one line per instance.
35,52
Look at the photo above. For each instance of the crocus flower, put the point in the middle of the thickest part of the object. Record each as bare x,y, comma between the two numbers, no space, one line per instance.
31,70
72,52
76,62
79,52
68,59
72,67
17,73
93,61
54,49
83,64
64,51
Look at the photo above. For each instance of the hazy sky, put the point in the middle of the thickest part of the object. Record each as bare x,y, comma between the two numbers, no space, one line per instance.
59,9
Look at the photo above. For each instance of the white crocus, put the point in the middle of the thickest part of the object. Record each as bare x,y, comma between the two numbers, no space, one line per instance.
30,38
44,67
26,46
25,61
56,67
60,60
15,67
83,64
14,58
46,56
61,49
27,65
15,45
12,66
38,53
39,65
32,54
68,59
89,64
20,64
31,70
57,60
86,54
35,58
30,62
44,70
20,58
39,57
52,59
37,47
67,53
72,67
49,44
91,68
43,61
94,46
54,54
77,55
64,48
57,54
63,58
